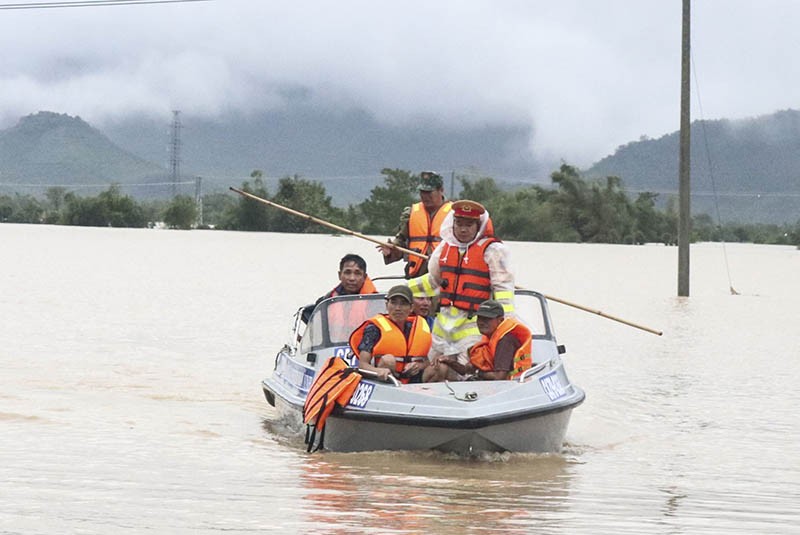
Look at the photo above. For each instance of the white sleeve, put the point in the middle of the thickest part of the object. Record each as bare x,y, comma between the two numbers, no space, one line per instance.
497,256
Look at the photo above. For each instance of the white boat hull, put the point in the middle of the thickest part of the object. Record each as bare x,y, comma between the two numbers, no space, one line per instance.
538,434
470,417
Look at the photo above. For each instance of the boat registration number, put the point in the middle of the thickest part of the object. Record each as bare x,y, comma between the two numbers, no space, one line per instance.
552,386
346,353
361,396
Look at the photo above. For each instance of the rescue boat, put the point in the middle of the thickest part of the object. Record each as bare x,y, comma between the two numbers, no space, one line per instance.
528,414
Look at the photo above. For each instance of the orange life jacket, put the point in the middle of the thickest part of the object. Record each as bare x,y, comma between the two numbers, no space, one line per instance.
488,232
334,384
481,355
465,278
343,317
393,341
423,235
367,288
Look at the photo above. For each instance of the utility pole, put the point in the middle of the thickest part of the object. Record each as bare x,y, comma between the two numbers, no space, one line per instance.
175,151
685,212
198,200
452,184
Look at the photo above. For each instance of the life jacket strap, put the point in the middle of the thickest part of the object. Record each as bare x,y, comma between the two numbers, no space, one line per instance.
410,358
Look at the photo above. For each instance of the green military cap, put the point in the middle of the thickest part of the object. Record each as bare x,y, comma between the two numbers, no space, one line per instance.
430,181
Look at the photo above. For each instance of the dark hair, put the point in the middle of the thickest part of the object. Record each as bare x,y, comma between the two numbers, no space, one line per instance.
360,262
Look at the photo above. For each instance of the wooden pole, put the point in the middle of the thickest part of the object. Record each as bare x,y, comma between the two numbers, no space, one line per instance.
685,213
425,257
603,314
325,223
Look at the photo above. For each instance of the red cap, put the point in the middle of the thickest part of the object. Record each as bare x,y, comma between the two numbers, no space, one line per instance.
468,209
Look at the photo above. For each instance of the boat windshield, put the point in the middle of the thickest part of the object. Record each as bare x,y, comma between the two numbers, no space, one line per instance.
531,309
336,318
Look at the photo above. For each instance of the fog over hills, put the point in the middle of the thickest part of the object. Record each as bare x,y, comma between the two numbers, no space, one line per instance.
330,147
752,164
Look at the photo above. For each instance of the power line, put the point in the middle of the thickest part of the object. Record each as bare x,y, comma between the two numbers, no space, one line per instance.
719,194
21,185
93,3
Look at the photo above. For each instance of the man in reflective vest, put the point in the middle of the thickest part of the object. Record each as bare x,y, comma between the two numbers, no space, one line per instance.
396,342
504,351
420,225
468,267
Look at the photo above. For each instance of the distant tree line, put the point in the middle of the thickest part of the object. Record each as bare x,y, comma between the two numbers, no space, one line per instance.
574,210
109,208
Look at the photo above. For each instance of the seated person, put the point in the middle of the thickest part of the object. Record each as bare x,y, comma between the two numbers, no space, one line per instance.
504,351
422,306
353,280
394,343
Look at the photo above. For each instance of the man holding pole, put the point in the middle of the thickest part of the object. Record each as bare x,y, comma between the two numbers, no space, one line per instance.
420,224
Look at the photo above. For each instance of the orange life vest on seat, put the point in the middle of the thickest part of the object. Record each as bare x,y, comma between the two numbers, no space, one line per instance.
481,355
393,341
465,278
423,234
334,385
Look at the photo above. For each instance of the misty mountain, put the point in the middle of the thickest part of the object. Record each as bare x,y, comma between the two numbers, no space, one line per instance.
753,164
345,151
52,148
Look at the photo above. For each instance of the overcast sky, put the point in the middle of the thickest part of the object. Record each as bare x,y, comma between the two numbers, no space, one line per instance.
587,75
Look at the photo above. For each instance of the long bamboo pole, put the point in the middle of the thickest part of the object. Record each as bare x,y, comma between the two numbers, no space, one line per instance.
425,257
326,223
603,314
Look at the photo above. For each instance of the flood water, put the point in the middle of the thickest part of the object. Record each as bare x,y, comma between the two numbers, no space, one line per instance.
130,397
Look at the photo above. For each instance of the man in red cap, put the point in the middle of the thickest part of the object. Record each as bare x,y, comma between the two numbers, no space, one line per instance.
420,224
468,267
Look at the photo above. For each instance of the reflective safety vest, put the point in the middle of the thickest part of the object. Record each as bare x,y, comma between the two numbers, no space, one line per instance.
393,341
345,316
481,355
423,234
333,385
465,278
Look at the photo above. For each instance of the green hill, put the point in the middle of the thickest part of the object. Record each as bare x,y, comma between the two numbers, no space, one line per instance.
52,148
754,165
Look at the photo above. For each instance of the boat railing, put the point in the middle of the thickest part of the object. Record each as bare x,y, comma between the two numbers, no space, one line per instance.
533,371
297,329
374,375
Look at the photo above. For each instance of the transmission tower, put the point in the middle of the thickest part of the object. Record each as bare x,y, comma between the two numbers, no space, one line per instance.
175,151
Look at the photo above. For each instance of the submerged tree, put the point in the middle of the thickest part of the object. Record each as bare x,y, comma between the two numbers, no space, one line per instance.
308,197
181,213
21,209
380,213
249,214
108,209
